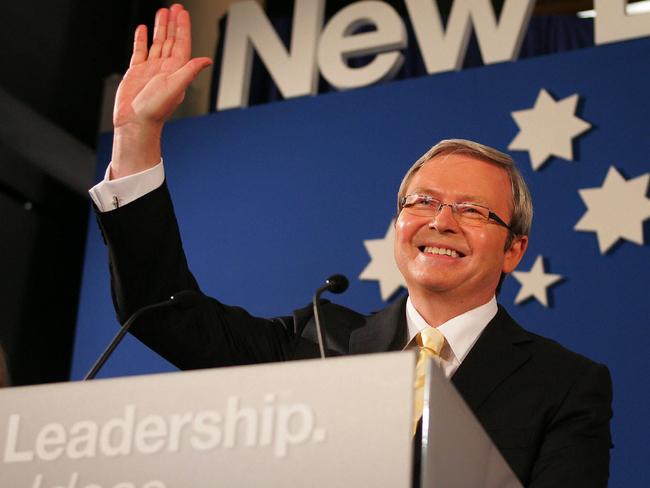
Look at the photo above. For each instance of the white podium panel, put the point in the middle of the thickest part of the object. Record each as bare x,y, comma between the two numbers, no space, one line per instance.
456,450
343,422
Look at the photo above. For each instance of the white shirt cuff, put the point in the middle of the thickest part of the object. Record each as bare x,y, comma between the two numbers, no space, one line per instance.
110,194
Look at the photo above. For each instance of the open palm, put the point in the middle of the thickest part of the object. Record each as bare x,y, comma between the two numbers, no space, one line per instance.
157,78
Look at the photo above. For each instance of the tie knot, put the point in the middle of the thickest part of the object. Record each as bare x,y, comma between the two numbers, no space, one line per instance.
431,339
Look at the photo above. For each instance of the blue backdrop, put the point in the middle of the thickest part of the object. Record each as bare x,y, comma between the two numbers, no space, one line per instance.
273,198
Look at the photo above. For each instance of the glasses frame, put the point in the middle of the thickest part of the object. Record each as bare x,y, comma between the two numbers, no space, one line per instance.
454,208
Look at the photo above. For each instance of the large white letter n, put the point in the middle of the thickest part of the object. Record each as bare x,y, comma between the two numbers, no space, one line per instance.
295,74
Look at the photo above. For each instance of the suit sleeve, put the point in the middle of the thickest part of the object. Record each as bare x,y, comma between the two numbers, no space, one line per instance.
575,449
147,265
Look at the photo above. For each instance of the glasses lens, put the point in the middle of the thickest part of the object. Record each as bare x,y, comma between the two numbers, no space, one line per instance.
421,205
471,212
428,206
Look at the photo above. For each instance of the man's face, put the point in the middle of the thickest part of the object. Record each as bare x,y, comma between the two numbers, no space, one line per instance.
473,274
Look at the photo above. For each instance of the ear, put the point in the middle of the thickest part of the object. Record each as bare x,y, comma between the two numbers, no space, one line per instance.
514,254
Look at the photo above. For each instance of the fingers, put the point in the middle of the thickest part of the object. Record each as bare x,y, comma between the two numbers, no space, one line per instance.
139,45
182,49
159,33
167,26
171,30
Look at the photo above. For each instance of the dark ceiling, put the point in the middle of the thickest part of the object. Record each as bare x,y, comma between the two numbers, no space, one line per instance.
56,54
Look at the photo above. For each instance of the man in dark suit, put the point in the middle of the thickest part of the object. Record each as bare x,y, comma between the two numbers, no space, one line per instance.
464,214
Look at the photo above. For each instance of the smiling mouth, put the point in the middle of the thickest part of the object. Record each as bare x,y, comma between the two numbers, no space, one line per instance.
441,251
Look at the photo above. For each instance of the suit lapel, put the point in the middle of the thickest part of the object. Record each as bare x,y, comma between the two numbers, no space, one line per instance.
495,356
383,331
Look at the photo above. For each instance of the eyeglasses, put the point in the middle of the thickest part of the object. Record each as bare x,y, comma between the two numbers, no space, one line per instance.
465,213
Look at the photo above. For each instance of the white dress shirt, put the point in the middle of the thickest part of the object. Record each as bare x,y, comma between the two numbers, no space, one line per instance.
461,332
110,194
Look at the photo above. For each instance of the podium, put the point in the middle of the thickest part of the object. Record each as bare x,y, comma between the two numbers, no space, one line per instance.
341,422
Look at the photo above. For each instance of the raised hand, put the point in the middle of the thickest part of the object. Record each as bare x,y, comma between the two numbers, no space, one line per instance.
152,89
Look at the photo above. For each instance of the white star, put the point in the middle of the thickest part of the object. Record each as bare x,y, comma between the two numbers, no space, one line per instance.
548,129
535,282
382,265
616,210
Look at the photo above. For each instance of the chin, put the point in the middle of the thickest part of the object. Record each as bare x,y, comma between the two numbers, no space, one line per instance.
433,285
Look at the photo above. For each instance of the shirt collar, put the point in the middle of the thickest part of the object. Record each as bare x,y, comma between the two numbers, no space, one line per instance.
461,332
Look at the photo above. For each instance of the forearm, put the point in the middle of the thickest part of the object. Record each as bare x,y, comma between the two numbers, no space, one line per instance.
148,265
147,261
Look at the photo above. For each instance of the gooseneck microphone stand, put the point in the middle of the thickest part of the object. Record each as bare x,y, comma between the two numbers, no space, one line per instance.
335,284
185,298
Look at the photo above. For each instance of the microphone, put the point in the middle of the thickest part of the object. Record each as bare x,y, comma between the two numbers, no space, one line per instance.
182,299
334,284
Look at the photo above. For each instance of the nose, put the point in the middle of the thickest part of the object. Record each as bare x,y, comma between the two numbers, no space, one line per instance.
444,220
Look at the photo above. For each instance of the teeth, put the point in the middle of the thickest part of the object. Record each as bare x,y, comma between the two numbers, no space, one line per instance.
441,251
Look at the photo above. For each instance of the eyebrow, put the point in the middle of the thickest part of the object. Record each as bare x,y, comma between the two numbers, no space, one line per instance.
463,198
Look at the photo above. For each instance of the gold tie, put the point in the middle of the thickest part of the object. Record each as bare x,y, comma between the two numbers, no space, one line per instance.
430,341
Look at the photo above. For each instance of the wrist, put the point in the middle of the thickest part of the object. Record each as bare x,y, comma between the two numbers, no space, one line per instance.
135,149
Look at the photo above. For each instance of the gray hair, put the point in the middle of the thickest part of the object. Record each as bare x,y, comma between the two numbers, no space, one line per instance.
521,205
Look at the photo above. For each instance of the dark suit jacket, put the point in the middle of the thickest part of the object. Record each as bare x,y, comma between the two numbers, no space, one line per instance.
546,408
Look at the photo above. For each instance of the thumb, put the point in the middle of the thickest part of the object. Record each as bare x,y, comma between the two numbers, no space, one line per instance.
181,78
